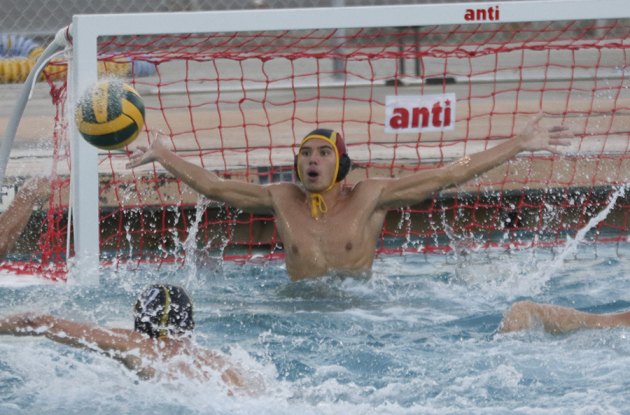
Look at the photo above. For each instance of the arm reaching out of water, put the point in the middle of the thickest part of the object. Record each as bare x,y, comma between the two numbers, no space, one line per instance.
15,218
416,187
163,324
525,315
114,343
242,195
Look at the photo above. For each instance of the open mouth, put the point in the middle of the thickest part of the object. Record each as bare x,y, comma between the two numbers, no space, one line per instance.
313,174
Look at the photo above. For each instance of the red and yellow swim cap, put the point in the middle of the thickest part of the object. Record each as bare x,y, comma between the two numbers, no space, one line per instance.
342,167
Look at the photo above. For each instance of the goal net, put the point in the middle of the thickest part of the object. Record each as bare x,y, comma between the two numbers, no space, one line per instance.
238,102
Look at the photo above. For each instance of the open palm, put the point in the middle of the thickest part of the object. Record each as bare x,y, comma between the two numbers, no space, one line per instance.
143,154
534,137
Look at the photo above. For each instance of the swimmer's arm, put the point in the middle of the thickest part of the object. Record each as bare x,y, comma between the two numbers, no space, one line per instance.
417,187
241,195
15,218
27,324
119,344
230,375
70,333
555,319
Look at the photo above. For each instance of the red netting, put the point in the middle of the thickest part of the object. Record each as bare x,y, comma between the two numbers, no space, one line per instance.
239,103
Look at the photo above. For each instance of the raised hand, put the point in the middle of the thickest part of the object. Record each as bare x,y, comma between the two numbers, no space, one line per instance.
143,154
37,187
534,137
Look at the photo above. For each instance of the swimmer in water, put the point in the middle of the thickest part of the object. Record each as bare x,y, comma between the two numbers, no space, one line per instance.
159,346
524,315
327,228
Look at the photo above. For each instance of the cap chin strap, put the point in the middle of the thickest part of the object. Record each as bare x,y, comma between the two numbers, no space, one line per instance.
318,204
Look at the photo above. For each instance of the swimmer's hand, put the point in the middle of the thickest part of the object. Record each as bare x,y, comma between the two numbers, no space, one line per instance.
24,324
534,137
143,154
38,187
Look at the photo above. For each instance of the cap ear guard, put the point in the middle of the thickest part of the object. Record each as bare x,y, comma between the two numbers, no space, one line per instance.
344,167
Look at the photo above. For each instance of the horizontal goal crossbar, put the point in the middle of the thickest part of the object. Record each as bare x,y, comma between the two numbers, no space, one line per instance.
343,17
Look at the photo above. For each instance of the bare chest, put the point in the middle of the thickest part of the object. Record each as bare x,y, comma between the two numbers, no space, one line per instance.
342,230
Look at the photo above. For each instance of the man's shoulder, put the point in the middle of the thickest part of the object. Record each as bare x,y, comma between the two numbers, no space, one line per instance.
284,187
367,185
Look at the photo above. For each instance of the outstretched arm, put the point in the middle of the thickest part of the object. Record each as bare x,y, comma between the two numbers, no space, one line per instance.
114,343
416,187
525,315
14,219
242,195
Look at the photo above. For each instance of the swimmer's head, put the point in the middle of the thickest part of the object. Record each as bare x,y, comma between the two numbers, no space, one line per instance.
163,310
336,141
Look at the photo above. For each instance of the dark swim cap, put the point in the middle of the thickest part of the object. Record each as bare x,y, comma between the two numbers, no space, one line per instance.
162,310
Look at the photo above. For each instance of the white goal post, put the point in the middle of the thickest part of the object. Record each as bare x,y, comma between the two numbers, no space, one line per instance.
86,29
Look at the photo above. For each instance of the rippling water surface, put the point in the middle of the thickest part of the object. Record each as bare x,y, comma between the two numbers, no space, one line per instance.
418,337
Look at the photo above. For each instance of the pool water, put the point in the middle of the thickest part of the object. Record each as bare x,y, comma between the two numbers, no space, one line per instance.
416,338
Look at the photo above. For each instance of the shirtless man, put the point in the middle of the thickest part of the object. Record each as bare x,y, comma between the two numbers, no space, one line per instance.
15,218
327,228
159,346
525,315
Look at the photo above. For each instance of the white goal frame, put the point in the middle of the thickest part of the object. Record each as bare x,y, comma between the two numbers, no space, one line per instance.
86,29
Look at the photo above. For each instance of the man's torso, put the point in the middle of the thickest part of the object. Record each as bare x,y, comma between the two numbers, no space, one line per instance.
340,241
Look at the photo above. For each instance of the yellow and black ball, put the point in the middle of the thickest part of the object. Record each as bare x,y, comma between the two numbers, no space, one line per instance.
110,114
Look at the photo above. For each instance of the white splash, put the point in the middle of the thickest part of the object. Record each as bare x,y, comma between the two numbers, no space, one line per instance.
570,248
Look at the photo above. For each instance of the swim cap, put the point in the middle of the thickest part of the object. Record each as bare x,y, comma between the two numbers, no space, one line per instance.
336,140
162,310
341,168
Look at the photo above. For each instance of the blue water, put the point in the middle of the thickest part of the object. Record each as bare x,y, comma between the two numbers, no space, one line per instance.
416,338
